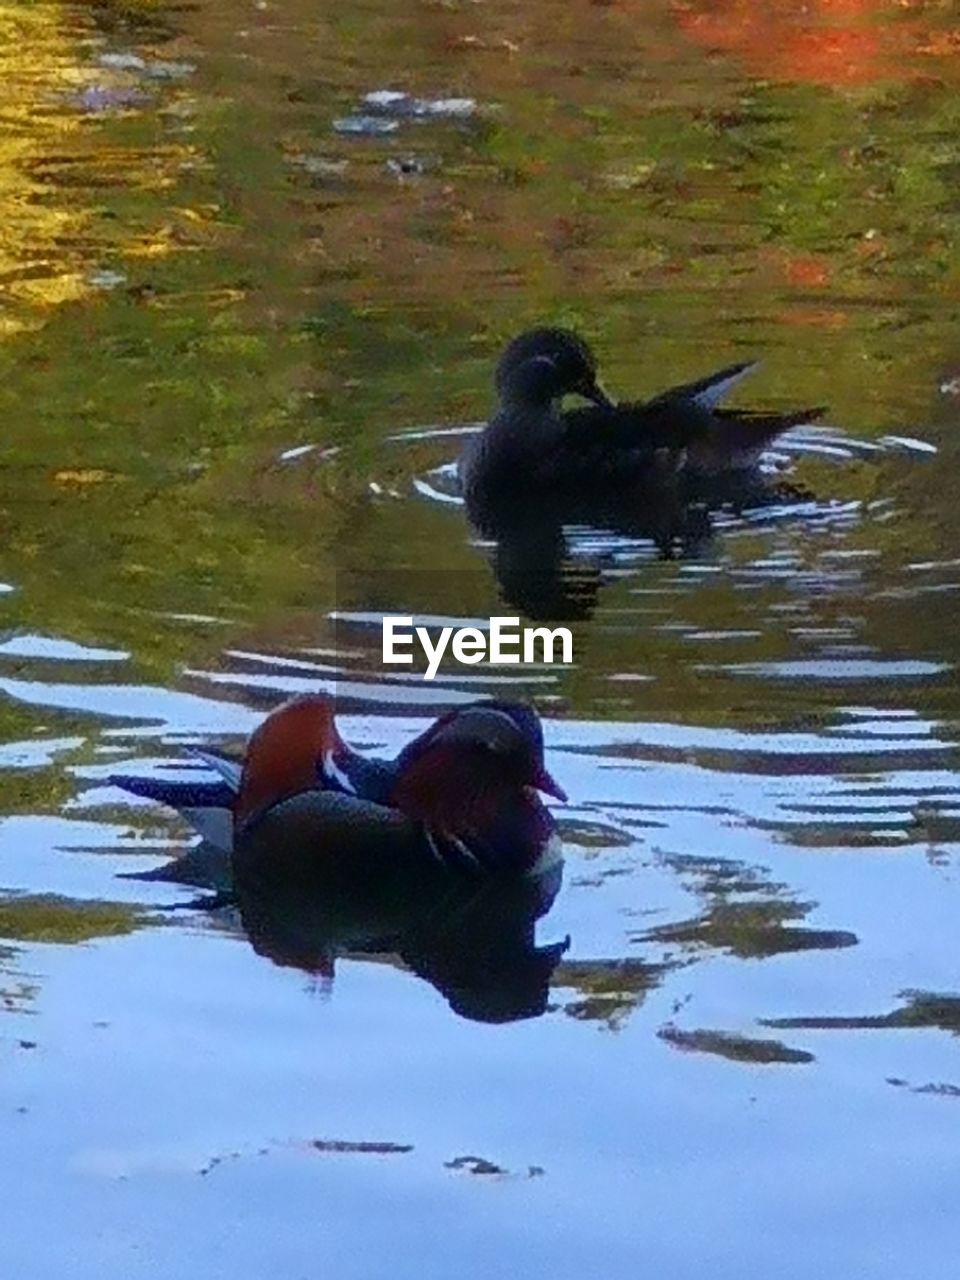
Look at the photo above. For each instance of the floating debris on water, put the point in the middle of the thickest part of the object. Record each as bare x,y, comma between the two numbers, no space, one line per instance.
386,99
408,166
320,166
106,279
394,103
169,70
122,62
382,111
364,126
99,98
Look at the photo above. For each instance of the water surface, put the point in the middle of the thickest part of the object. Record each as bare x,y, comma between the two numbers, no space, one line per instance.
217,251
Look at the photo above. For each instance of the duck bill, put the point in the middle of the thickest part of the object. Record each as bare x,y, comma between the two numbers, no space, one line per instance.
593,392
549,786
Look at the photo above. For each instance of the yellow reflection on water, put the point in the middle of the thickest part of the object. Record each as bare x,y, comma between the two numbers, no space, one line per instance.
58,159
34,67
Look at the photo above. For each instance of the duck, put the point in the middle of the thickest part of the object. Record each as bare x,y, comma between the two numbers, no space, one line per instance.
533,450
461,797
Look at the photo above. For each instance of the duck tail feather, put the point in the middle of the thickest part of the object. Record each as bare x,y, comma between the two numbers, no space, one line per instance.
800,417
228,770
191,792
752,425
715,387
707,392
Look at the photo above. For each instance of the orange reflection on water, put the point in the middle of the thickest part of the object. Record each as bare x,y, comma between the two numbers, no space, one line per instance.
844,43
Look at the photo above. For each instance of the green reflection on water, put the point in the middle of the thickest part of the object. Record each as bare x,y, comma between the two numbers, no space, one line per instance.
46,918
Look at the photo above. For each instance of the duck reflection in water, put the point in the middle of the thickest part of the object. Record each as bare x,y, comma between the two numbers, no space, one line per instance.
538,574
474,941
652,470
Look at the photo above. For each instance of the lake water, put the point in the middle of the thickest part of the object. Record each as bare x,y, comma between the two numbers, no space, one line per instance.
238,296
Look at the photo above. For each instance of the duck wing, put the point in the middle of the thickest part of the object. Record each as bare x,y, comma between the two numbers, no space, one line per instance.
737,437
631,429
671,420
314,840
765,422
706,392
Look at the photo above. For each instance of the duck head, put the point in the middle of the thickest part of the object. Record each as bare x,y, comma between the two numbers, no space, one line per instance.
471,763
543,365
284,754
